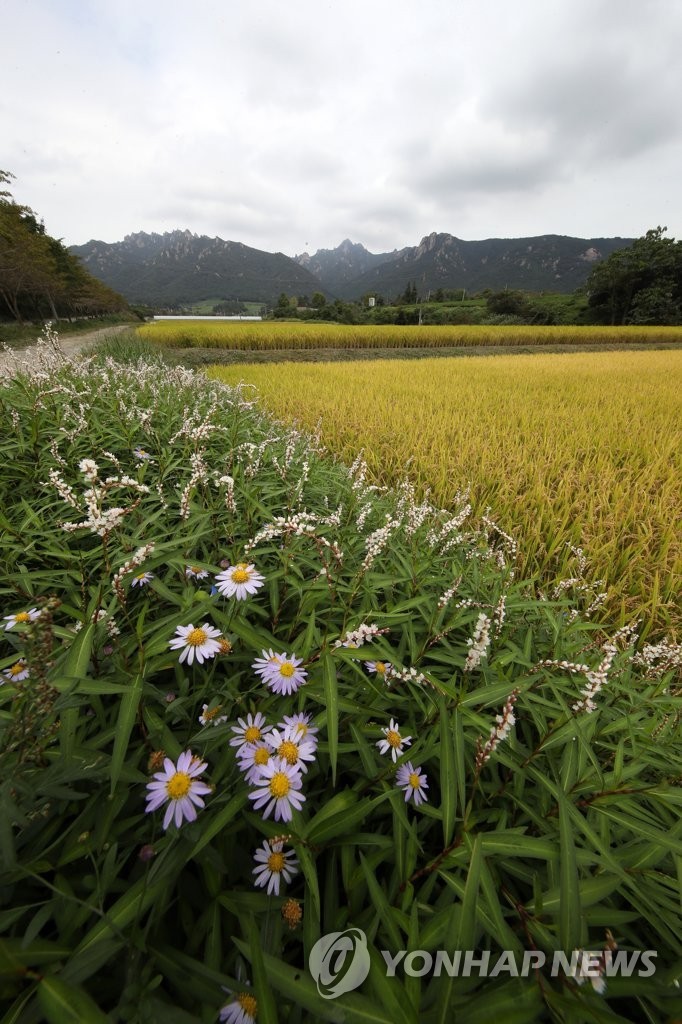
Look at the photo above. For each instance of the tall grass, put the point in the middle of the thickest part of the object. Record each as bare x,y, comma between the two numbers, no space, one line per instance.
581,449
273,335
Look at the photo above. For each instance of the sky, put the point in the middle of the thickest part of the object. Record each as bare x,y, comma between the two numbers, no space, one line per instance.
290,127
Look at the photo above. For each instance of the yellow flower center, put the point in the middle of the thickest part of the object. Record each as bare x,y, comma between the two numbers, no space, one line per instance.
196,638
414,780
302,728
210,715
16,670
393,738
23,617
141,576
380,667
289,751
225,645
276,862
196,568
248,1004
279,784
261,756
252,734
286,669
178,786
240,574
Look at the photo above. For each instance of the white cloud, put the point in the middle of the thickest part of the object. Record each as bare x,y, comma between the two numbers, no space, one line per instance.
294,127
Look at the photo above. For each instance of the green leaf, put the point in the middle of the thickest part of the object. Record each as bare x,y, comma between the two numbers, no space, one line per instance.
448,774
332,701
267,1009
569,883
65,1004
124,727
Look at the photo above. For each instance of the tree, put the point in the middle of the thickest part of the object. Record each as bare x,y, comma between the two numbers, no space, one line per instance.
641,283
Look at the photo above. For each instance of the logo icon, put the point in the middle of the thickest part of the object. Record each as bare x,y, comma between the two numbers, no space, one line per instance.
339,962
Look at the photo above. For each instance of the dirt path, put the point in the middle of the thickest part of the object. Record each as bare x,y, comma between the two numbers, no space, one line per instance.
71,345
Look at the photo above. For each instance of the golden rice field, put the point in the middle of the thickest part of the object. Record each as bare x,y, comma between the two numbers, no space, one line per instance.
580,448
272,334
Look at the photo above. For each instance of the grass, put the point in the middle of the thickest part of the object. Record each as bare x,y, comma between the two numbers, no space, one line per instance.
582,449
16,335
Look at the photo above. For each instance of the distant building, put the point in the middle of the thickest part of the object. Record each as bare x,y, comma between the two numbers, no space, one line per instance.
371,301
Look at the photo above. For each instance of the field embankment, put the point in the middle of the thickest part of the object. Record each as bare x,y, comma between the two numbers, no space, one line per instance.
579,449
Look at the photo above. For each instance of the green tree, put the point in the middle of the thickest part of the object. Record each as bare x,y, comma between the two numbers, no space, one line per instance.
641,283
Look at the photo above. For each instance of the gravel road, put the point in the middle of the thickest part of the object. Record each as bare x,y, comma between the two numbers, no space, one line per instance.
71,344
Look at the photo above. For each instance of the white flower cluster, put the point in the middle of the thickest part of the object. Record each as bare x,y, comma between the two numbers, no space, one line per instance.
445,598
227,482
132,563
377,541
199,475
659,658
478,644
595,680
499,732
364,634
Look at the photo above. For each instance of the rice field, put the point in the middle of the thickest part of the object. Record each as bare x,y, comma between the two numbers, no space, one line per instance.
275,335
579,448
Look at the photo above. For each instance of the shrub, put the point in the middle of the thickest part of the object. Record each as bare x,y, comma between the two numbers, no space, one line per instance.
409,650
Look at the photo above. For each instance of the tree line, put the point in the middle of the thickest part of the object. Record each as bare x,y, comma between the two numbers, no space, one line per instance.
39,278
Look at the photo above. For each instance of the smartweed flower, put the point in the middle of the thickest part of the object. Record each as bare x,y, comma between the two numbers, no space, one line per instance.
195,572
142,579
199,643
393,741
239,581
272,864
17,672
413,784
21,618
248,732
300,724
292,747
212,716
180,787
285,676
251,759
243,1010
278,789
589,965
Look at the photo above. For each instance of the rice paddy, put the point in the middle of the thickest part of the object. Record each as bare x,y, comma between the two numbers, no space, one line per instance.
578,449
276,335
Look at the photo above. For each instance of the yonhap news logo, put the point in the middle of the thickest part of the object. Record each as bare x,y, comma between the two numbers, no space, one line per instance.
339,962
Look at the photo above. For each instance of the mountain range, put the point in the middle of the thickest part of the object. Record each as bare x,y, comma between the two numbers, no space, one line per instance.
181,268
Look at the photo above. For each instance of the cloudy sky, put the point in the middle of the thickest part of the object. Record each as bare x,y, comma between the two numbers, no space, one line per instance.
290,127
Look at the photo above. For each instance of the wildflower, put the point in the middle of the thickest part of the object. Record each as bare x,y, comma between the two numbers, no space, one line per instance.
264,665
89,469
478,644
285,676
195,572
271,863
17,672
412,782
393,741
142,579
300,723
225,645
364,634
291,747
239,581
212,715
243,1010
382,669
278,788
251,759
498,733
248,732
180,787
589,965
21,618
292,913
200,642
141,454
